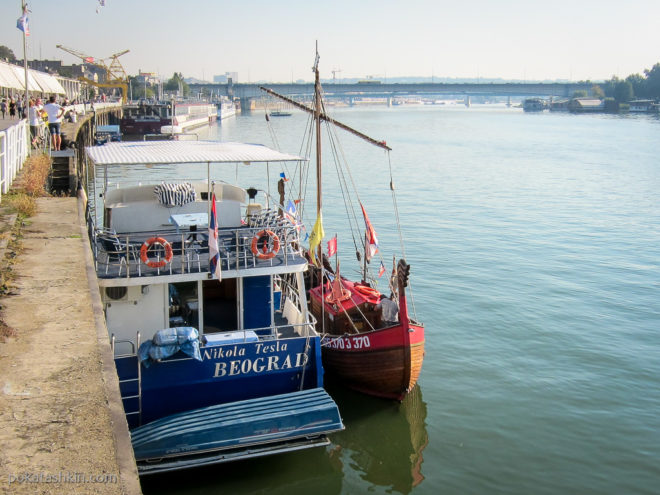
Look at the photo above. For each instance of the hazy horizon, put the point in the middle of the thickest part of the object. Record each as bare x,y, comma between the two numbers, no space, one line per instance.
509,40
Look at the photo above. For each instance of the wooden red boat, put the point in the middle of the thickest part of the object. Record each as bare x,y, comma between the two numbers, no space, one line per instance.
370,343
360,348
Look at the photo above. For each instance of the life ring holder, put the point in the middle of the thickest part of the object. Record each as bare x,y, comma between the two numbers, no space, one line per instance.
265,253
150,242
367,291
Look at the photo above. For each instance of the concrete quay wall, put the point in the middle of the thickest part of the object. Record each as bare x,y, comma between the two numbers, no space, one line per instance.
62,426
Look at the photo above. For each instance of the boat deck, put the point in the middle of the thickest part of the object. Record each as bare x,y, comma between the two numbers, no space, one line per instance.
119,255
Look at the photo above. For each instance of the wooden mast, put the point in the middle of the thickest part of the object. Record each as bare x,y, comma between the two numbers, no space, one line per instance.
317,122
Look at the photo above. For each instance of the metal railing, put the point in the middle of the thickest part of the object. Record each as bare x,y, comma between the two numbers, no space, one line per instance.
121,255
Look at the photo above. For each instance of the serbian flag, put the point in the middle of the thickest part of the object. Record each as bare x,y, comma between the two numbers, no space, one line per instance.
381,270
371,247
291,211
332,247
214,253
315,238
22,22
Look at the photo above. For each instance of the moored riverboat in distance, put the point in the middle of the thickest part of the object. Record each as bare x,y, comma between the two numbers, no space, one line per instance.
370,341
150,117
190,115
203,291
534,105
643,106
145,118
226,108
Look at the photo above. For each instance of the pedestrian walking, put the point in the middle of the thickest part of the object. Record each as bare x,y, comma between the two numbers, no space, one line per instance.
36,122
3,107
12,109
55,113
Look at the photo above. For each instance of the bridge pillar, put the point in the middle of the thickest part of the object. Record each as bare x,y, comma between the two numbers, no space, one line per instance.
247,104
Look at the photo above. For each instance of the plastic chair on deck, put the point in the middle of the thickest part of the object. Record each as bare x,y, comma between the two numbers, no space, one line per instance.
117,251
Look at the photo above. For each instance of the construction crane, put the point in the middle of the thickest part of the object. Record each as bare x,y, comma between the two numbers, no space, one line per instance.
115,75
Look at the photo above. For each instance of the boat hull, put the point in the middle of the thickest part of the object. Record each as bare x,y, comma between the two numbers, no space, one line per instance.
384,363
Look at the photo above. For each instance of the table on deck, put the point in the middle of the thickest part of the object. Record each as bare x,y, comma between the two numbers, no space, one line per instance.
190,220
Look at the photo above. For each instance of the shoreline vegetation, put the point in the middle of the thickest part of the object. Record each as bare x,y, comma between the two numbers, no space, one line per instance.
19,204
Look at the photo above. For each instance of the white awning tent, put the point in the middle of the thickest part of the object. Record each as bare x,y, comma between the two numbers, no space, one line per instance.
163,152
13,77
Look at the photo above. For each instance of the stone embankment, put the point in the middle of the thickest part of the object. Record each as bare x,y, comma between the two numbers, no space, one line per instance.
62,429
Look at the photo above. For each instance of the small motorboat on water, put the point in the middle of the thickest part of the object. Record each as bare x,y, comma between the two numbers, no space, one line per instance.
203,291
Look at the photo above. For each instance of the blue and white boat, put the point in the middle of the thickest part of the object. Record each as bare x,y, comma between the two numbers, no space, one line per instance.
213,364
226,108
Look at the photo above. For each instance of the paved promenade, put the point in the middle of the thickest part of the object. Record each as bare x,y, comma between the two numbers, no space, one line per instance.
4,123
62,429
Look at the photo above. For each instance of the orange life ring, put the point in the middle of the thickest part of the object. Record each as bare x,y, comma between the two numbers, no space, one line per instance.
367,291
265,253
150,242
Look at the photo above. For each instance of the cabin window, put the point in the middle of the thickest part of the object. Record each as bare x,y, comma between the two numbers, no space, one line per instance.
107,218
220,305
183,305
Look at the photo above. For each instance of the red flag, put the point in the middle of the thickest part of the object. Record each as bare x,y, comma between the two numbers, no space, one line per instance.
332,247
371,239
381,270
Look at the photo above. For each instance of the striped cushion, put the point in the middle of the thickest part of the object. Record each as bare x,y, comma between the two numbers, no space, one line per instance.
175,194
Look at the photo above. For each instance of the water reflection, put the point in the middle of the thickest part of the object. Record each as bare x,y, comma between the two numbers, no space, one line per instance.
383,442
382,446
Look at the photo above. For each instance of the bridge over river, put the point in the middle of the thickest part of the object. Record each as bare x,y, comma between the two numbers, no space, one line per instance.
248,91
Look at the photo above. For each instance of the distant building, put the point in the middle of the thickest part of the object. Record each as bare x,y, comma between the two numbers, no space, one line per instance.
149,77
74,71
226,77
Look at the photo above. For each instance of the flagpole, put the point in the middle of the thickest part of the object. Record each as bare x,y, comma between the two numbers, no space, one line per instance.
25,64
336,252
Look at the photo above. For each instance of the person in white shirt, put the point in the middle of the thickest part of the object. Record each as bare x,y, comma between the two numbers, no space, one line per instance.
34,116
55,113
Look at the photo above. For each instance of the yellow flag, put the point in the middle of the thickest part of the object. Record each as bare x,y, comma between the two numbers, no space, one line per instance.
315,238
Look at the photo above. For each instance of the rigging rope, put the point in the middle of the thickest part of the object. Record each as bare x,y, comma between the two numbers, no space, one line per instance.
398,226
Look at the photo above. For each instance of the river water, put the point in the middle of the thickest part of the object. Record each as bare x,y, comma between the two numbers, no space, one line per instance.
534,241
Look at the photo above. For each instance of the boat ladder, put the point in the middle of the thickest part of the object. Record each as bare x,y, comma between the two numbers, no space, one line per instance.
130,379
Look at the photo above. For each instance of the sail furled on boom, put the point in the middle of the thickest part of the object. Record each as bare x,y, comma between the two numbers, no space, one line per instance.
327,118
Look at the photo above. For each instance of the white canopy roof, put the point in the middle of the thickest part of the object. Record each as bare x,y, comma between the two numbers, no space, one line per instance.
154,152
13,77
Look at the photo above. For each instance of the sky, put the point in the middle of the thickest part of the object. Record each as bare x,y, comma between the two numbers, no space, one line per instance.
274,40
